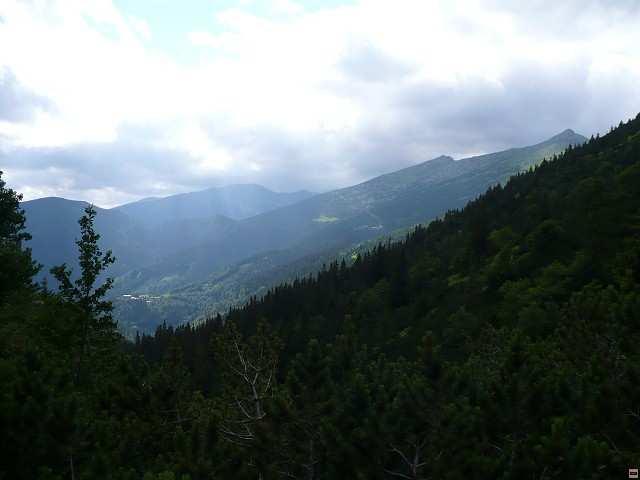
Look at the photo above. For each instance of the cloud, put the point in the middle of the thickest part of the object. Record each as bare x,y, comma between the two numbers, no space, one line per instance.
368,64
18,104
294,98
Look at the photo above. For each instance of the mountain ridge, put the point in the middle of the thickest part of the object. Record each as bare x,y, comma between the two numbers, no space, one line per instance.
237,201
335,220
159,253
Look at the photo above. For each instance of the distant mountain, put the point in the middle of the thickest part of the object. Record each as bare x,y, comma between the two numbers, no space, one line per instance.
233,201
333,221
147,231
53,224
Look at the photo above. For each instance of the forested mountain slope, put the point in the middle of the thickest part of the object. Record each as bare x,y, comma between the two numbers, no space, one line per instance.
257,252
498,342
230,286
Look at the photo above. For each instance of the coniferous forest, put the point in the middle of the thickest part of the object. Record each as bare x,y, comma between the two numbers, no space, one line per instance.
500,341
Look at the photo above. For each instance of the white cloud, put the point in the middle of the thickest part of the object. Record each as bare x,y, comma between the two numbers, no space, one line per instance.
140,27
287,7
305,99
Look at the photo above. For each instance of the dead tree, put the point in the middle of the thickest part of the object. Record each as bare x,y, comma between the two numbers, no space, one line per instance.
411,460
248,370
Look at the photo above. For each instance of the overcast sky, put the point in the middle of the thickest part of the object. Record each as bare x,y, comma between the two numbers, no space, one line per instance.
111,101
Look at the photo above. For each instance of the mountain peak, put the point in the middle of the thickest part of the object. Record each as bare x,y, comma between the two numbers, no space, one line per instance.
57,201
442,159
568,136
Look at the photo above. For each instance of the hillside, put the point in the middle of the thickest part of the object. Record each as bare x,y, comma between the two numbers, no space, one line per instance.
280,244
498,342
230,286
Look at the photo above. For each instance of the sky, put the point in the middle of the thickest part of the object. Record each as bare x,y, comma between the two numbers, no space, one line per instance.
112,101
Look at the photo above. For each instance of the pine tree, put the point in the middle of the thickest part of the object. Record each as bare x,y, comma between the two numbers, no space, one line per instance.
16,266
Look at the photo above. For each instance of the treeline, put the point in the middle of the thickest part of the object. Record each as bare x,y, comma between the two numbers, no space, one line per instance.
498,342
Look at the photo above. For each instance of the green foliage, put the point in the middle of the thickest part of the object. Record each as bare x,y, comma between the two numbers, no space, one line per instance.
11,217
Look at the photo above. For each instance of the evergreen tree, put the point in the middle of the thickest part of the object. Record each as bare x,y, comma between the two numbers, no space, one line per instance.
93,262
16,266
95,334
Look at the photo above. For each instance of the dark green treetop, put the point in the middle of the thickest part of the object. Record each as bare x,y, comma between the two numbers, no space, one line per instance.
17,268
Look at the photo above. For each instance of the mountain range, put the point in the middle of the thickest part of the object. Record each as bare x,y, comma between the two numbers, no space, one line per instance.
192,253
234,201
144,232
